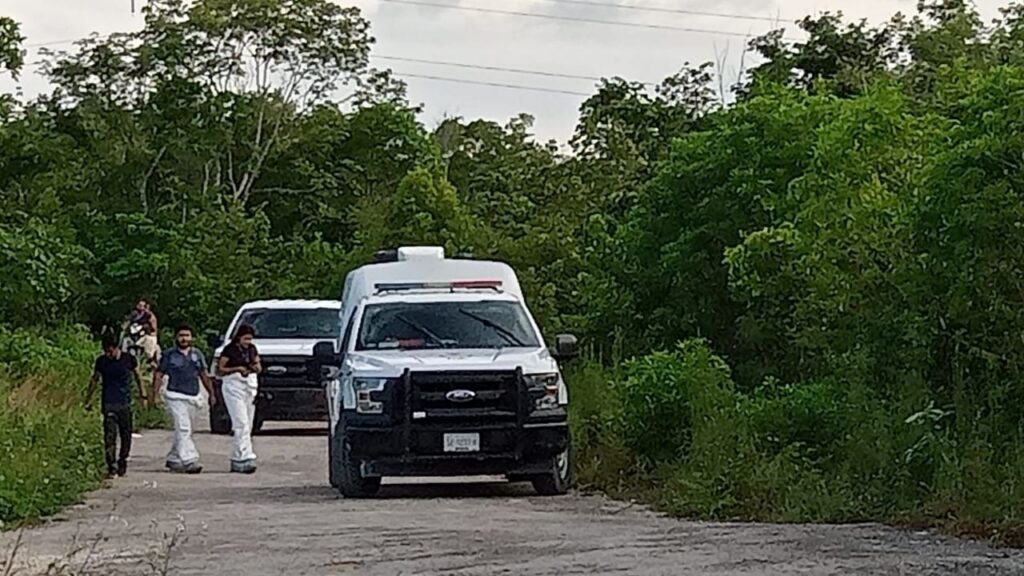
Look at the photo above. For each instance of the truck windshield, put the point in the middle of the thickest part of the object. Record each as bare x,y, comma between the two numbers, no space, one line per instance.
293,324
486,324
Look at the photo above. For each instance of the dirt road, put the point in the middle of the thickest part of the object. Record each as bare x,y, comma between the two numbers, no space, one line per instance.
286,520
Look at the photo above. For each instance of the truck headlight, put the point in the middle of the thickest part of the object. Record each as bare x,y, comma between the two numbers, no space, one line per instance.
544,390
365,387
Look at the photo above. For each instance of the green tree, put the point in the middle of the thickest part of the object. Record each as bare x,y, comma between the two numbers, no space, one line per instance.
12,56
426,210
245,68
836,57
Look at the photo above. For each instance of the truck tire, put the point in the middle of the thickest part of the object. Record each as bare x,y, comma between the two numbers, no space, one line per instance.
558,481
351,483
332,465
220,422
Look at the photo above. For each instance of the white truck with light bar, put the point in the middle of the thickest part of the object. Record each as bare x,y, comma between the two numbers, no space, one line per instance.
440,370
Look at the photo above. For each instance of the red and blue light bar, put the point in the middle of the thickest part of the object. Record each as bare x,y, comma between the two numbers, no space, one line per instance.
457,285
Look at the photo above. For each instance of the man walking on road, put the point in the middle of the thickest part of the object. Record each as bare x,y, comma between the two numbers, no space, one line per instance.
115,370
185,368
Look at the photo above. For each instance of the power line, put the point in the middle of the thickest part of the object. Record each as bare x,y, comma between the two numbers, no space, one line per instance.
664,10
52,43
497,69
461,80
493,84
450,64
570,18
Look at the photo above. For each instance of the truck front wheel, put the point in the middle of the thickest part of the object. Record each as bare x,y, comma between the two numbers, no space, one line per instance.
332,464
558,479
351,482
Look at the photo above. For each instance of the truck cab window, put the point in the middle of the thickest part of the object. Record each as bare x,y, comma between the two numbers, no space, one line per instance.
450,324
292,324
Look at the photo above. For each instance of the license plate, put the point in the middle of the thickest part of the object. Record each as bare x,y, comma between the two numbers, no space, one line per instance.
462,442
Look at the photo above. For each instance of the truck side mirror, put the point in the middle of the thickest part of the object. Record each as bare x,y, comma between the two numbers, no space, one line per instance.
325,361
214,340
324,354
566,347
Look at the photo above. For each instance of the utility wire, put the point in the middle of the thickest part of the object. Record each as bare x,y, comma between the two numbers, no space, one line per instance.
565,18
52,43
493,84
570,18
447,63
497,69
664,10
450,79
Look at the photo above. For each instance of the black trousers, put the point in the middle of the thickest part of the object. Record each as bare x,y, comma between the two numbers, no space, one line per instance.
117,424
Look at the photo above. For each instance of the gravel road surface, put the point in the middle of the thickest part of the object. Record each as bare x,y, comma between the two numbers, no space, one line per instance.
285,519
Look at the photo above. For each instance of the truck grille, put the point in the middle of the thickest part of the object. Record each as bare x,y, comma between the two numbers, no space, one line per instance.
285,372
493,397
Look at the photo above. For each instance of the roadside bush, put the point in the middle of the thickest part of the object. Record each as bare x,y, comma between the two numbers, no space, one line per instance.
51,449
669,396
670,429
602,459
149,418
811,417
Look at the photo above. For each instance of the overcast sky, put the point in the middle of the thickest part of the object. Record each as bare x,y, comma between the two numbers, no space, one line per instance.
504,40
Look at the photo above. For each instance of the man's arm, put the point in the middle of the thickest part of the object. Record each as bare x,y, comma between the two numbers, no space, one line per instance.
208,384
257,365
152,323
158,376
91,389
204,377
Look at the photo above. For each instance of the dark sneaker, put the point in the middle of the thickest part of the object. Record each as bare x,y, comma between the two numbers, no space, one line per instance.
122,468
173,466
193,468
111,472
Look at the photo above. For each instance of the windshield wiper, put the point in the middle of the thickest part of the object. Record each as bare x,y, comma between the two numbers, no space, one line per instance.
505,332
425,331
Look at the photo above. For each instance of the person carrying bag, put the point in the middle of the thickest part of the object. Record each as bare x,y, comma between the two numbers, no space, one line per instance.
238,366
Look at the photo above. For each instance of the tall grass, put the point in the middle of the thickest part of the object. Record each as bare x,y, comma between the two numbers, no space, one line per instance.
671,429
51,449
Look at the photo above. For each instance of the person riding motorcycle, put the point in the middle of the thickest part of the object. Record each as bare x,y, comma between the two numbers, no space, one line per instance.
140,329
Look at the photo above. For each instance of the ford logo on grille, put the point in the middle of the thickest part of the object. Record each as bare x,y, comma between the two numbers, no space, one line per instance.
460,395
276,370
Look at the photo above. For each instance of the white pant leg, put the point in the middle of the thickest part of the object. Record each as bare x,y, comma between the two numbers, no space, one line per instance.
183,448
240,399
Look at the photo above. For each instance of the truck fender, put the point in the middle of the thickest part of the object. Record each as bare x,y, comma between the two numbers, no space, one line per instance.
341,395
348,394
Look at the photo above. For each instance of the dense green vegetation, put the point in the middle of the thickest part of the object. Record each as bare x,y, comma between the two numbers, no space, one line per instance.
51,449
804,305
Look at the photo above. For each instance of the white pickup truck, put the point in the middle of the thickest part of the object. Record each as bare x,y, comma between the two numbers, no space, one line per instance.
442,371
286,333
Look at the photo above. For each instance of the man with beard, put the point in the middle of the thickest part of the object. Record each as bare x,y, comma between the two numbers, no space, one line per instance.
185,368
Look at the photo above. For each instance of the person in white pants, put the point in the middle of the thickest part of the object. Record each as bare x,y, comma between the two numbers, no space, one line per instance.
185,369
238,367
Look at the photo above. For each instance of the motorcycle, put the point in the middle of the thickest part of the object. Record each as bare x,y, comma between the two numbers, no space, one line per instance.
130,344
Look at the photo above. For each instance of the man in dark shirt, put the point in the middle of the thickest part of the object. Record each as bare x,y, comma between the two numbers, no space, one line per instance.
115,370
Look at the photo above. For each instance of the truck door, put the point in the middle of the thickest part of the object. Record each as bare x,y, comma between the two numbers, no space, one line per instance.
338,394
